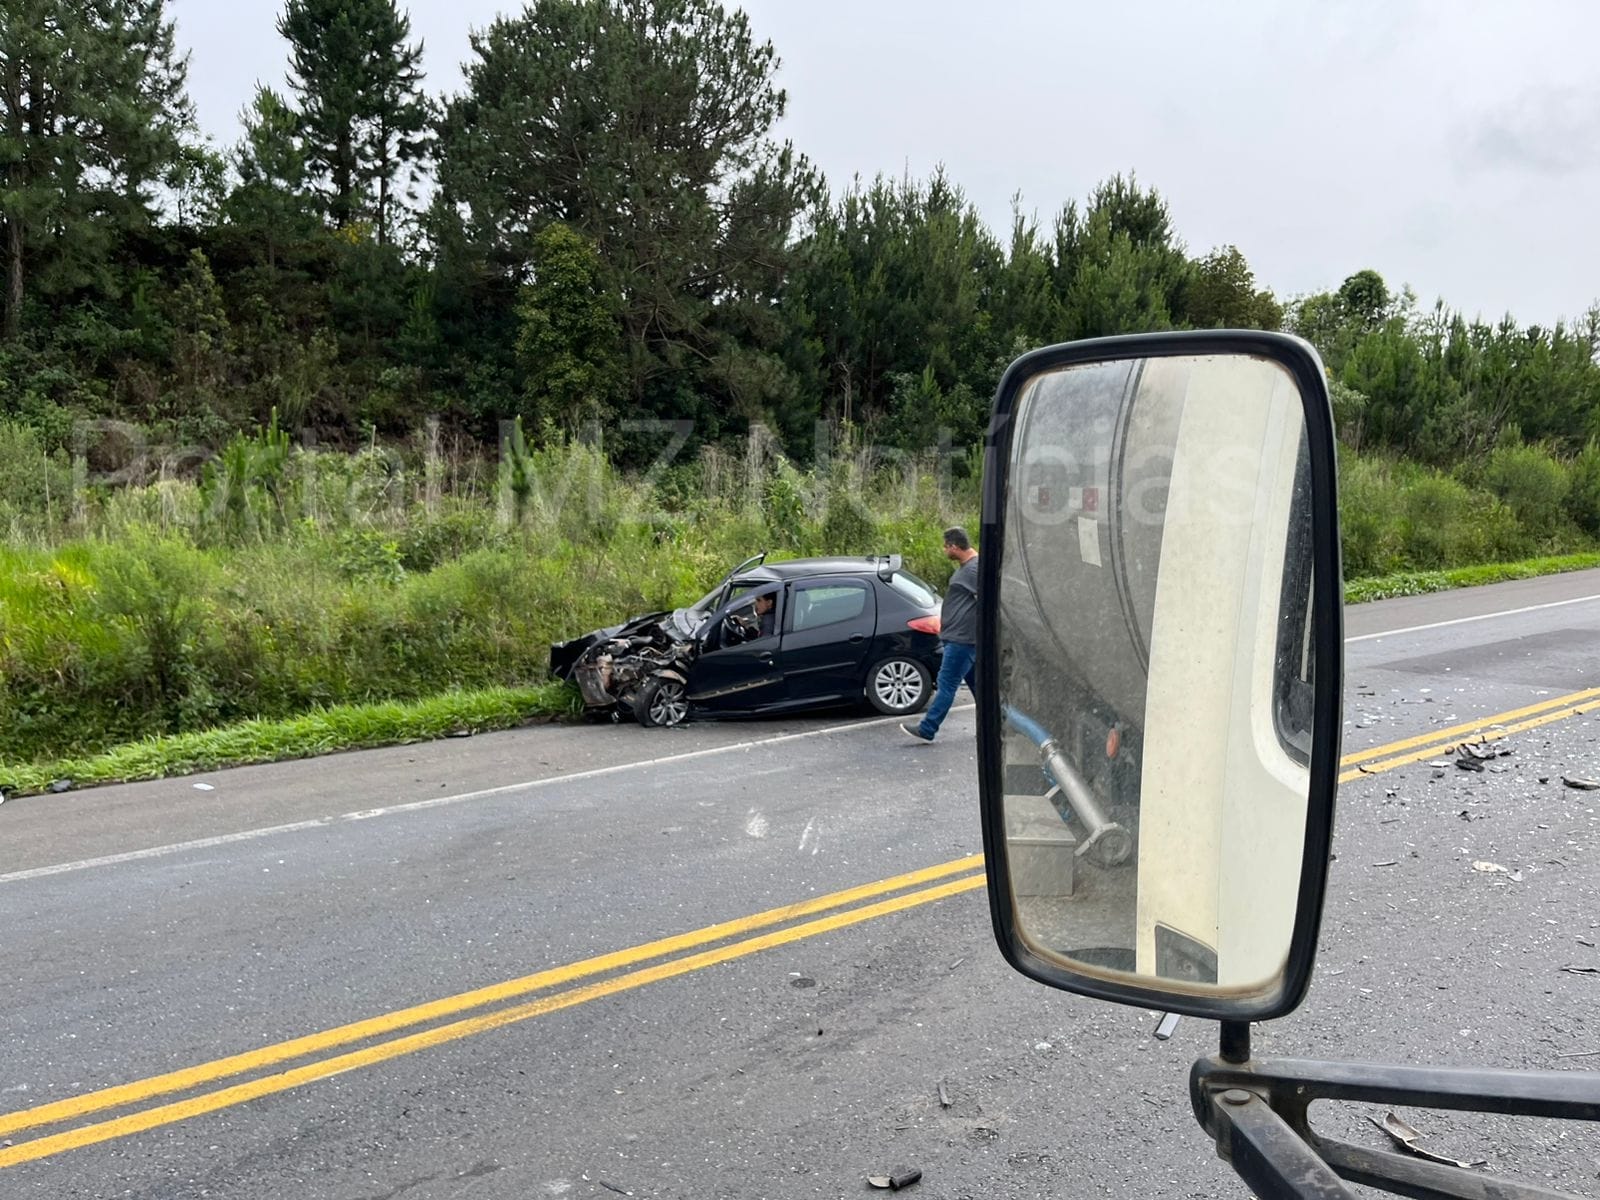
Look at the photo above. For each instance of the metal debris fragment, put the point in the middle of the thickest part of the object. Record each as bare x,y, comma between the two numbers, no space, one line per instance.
901,1177
1407,1137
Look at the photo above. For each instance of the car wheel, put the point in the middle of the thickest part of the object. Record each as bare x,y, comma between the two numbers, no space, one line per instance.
897,686
662,702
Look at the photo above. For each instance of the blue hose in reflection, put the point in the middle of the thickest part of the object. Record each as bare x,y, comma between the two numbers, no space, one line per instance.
1108,842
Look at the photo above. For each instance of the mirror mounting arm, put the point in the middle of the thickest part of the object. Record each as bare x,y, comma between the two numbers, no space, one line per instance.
1285,1089
1235,1041
1269,1153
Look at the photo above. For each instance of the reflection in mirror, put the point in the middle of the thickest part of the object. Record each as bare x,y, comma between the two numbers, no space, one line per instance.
1155,668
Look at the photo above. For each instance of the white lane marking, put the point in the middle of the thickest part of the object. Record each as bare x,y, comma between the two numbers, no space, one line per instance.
366,814
1509,612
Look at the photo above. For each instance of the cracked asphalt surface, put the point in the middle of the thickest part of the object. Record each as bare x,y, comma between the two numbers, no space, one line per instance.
155,927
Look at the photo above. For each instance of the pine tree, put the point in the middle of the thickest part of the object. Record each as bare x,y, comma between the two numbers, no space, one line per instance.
270,204
93,118
361,114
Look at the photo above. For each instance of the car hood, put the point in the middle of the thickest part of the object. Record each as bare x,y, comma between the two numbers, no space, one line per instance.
564,654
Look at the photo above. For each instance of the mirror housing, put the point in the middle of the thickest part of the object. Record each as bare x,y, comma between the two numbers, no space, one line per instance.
1160,654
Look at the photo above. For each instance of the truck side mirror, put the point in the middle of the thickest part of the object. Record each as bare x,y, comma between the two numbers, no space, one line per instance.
1160,668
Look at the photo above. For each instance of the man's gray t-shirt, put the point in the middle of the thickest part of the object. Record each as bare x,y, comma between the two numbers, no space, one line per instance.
958,619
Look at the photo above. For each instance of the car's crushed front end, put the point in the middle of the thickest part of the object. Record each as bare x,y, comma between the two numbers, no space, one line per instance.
610,666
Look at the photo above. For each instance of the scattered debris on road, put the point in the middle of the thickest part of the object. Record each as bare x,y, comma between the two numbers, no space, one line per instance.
1470,756
944,1096
1582,970
61,785
1582,784
1407,1137
1492,868
902,1177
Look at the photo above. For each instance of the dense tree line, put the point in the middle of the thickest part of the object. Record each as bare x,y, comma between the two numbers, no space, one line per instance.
599,228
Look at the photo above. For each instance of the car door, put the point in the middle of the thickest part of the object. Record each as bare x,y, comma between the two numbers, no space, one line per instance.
733,674
827,636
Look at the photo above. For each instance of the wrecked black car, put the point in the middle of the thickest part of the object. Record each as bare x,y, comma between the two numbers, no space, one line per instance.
804,633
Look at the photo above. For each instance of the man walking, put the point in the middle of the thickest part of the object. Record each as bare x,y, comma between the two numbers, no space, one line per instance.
958,630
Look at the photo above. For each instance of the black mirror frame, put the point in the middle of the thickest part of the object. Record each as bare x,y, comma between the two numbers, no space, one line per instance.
1301,361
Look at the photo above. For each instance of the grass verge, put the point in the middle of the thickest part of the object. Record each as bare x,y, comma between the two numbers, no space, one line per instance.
1416,583
326,731
368,726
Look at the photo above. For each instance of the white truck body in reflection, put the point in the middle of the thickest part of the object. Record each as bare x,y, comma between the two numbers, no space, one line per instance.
1152,508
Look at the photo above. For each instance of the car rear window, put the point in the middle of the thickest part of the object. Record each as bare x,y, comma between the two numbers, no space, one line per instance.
909,586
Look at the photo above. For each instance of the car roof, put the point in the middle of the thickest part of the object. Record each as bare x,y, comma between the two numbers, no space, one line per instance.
804,568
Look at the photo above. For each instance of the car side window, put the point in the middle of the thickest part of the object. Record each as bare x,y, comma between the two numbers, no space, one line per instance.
827,604
752,612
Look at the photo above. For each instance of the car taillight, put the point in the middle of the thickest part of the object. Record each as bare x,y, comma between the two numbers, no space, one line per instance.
924,624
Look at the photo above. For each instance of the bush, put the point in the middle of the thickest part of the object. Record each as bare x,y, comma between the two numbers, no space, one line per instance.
1444,523
1398,516
1370,533
33,483
1534,484
1583,491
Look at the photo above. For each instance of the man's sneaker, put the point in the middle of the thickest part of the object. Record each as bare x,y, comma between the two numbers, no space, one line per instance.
915,731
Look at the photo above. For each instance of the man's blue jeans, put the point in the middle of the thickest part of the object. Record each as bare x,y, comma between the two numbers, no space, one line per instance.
955,670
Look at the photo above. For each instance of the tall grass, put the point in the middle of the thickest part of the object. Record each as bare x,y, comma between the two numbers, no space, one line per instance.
281,580
285,581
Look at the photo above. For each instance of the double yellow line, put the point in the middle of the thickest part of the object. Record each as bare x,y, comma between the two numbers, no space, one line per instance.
1442,741
732,935
368,1042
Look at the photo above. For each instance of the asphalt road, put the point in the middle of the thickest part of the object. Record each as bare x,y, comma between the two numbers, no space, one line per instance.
753,959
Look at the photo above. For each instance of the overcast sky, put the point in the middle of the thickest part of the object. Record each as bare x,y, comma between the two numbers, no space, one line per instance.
1451,145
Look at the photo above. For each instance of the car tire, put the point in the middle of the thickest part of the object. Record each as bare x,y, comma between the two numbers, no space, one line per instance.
897,686
661,703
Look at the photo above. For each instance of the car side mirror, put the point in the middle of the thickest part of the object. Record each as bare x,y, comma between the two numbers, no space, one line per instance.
1160,665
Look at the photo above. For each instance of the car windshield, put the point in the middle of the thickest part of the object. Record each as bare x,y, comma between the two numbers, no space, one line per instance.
688,620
